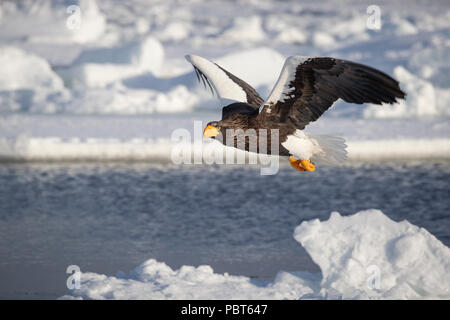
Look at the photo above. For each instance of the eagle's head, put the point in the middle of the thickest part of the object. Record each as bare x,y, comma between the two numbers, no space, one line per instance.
212,129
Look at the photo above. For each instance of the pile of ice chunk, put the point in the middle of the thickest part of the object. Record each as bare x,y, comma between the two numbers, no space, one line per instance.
93,49
368,255
129,60
101,66
363,256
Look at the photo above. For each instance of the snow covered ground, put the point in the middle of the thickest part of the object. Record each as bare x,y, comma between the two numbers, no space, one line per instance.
126,58
362,256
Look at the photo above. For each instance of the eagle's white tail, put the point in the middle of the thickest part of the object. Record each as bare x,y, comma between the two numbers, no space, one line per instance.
332,149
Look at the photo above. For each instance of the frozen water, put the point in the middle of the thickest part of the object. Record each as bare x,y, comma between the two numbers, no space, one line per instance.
365,255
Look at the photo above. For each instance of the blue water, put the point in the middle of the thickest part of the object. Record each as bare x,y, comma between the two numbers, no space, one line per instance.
110,217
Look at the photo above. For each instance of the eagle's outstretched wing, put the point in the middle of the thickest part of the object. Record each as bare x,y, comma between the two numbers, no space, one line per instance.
228,87
307,87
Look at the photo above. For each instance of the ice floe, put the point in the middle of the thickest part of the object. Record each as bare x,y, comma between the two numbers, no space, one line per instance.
129,60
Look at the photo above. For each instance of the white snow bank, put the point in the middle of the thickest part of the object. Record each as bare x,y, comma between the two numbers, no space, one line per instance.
148,137
409,149
402,260
93,149
366,255
154,150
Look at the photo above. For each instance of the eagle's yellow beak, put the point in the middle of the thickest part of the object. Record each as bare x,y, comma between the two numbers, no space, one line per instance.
210,131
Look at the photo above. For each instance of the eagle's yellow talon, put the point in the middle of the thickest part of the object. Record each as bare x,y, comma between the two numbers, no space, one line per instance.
296,164
308,165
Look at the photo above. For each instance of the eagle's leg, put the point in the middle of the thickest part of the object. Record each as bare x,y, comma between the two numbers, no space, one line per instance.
308,165
296,164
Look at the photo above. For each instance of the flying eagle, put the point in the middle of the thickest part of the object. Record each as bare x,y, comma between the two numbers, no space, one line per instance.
306,88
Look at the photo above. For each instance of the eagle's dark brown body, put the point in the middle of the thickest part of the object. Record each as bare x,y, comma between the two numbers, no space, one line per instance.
247,128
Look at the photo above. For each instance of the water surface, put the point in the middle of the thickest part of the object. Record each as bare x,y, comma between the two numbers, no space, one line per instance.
110,217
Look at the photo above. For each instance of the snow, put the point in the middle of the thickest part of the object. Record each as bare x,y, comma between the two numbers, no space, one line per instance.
22,70
156,280
245,29
323,39
410,262
101,66
116,87
291,36
362,256
148,137
175,31
93,23
421,98
115,44
27,80
52,22
120,100
243,65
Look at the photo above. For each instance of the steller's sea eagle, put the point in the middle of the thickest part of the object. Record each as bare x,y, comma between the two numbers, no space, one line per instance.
306,88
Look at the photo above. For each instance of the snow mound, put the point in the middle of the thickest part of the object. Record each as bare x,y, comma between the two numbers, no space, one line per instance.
245,29
93,23
260,67
146,54
156,280
23,70
366,255
121,100
292,35
175,31
323,39
101,66
28,81
421,99
408,261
